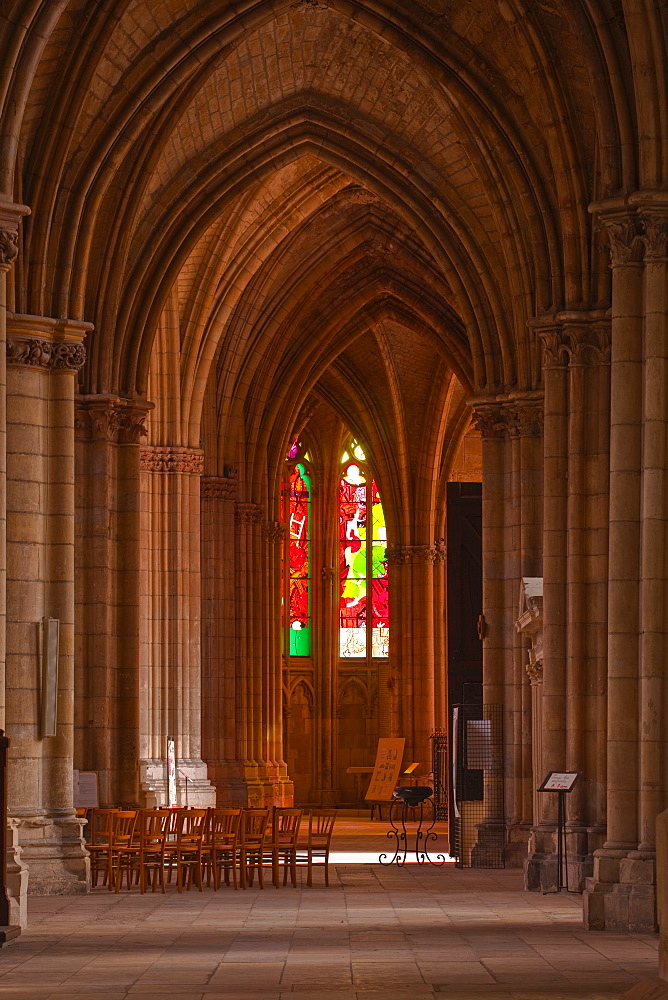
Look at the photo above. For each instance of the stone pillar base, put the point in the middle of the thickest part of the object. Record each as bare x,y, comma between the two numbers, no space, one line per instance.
541,872
251,784
193,787
516,846
489,848
54,852
621,895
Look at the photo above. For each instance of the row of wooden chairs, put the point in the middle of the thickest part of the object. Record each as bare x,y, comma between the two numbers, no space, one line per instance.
146,846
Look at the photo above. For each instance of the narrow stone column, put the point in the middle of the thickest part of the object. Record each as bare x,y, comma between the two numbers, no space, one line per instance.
412,573
524,559
107,592
246,743
654,537
511,428
222,740
13,904
575,356
43,356
273,533
170,662
555,571
616,897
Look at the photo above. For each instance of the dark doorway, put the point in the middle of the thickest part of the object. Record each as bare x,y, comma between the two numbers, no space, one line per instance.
464,601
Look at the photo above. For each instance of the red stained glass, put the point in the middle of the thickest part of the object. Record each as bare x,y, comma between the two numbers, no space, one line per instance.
363,566
299,534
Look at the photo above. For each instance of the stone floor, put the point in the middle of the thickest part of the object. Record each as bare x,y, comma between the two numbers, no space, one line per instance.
411,933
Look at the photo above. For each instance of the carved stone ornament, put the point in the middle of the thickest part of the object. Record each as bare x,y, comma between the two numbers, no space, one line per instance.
248,513
273,531
492,420
34,352
218,488
402,555
163,458
624,239
526,419
555,347
588,344
530,623
9,247
111,418
655,236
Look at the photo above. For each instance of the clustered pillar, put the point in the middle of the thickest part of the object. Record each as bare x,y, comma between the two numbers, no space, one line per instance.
170,652
621,893
43,357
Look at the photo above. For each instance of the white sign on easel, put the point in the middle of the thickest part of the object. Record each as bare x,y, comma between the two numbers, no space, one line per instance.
171,774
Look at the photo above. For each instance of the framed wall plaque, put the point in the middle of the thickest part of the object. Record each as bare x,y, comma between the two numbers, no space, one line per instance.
560,781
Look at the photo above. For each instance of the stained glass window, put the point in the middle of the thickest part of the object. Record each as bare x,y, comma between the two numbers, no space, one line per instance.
363,608
299,535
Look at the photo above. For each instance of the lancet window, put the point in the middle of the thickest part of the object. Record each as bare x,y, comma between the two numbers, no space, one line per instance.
363,603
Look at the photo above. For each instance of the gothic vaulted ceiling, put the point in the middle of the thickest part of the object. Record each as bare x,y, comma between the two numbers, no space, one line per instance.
362,198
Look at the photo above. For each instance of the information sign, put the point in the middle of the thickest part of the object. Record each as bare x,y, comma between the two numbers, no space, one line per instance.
559,781
85,790
386,770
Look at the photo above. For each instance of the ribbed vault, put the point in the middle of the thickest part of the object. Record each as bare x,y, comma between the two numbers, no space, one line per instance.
176,145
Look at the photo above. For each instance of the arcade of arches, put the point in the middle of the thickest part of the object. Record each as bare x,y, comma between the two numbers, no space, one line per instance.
435,228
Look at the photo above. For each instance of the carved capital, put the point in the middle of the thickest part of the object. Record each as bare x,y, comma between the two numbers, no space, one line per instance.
534,669
328,574
219,488
248,513
274,531
10,217
555,347
624,239
402,555
526,419
492,420
35,352
157,458
9,248
655,236
588,343
111,418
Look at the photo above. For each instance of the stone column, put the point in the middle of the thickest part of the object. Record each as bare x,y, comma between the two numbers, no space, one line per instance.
575,365
511,428
107,592
654,531
13,906
43,357
607,899
412,573
245,677
221,742
170,652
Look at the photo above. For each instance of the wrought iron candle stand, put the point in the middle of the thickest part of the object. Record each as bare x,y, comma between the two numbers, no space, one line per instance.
410,804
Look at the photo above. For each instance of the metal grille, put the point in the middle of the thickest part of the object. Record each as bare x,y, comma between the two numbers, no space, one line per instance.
477,772
439,767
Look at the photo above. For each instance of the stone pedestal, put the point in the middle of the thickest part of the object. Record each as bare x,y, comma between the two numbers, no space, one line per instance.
621,894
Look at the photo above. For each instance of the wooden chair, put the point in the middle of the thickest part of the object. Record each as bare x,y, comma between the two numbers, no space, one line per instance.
316,845
146,854
250,845
120,840
282,844
99,828
220,846
187,850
